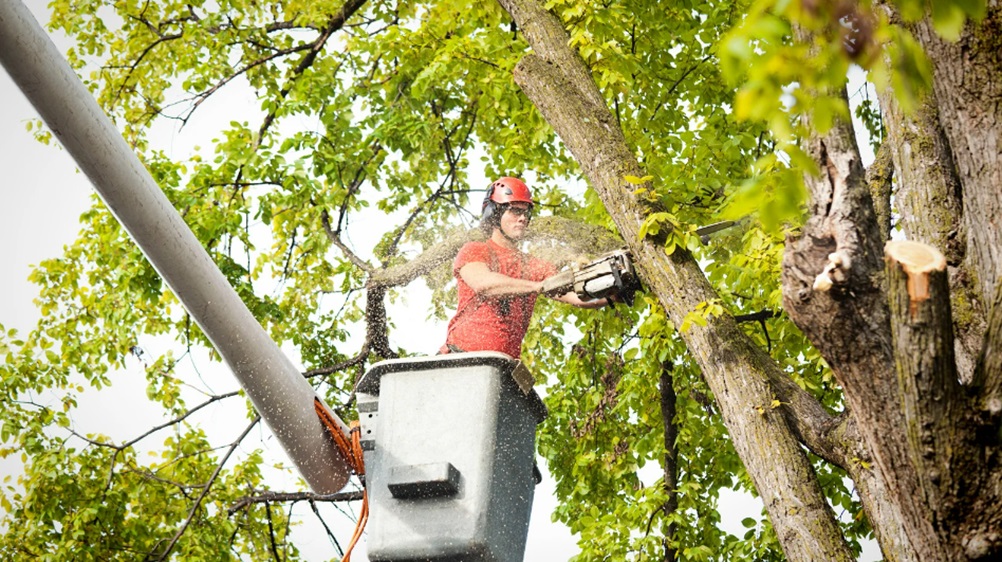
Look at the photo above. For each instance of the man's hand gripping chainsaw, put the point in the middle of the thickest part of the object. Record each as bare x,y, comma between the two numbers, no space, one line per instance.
611,275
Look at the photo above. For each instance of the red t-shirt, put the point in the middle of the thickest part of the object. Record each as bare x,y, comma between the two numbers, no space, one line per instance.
494,323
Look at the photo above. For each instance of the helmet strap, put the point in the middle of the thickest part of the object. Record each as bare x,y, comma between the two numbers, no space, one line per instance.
501,210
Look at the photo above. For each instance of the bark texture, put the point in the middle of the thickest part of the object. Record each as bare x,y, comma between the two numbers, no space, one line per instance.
560,85
930,202
922,376
967,91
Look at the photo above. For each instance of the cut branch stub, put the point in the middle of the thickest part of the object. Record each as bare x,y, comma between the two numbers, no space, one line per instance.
917,260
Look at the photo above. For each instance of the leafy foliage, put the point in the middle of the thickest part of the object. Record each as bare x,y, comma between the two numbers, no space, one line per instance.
362,135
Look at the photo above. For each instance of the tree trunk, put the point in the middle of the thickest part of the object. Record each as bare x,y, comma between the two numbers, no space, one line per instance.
738,373
934,442
922,448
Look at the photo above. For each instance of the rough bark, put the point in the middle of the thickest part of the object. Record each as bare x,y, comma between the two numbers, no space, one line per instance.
967,90
988,377
930,203
922,336
850,325
559,84
880,178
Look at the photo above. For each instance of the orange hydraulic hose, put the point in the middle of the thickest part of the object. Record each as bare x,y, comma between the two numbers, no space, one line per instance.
351,450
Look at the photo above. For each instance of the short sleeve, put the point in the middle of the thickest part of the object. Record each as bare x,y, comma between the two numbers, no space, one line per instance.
540,269
471,252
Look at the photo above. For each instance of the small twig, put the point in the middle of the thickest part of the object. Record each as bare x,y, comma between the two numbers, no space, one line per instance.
362,355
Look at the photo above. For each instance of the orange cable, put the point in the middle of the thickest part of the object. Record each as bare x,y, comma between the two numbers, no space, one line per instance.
353,455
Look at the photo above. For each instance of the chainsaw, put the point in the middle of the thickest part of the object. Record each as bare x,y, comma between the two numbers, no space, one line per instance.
610,275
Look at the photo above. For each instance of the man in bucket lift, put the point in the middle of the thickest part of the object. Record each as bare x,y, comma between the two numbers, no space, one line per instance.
498,284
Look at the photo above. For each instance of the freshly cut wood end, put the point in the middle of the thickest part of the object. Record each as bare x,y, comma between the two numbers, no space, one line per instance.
917,260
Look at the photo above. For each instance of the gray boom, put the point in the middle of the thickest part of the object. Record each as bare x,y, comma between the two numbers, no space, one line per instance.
277,389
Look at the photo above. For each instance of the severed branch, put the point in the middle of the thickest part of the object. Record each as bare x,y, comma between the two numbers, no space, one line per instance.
933,402
293,497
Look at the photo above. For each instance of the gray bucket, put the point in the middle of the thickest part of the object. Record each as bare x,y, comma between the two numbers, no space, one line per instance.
449,448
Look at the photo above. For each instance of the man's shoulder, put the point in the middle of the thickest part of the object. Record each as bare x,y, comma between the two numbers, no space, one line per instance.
473,250
541,267
474,244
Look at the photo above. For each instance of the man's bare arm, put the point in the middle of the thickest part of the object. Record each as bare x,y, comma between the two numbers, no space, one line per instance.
487,283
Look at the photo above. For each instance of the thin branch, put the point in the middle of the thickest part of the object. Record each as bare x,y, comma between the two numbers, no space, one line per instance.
198,502
293,497
336,23
356,360
179,419
330,534
336,240
450,177
271,531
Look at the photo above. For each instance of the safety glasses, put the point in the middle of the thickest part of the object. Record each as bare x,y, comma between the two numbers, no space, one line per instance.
521,211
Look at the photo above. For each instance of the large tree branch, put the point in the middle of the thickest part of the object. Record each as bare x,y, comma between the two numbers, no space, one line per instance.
833,276
560,85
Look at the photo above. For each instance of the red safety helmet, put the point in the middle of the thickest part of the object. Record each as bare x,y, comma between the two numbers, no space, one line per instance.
500,194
